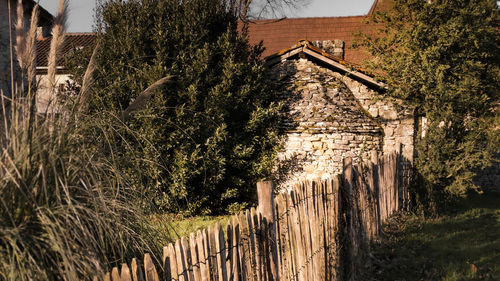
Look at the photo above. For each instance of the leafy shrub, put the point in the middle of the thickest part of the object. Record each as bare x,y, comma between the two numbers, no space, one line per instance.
204,140
443,57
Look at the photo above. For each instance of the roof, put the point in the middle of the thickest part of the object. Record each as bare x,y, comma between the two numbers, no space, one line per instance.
380,5
277,35
72,41
46,18
282,33
307,48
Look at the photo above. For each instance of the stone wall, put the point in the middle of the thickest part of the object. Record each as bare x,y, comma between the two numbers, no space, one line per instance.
331,117
396,119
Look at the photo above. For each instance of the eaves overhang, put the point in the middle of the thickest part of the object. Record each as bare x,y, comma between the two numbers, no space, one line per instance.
307,48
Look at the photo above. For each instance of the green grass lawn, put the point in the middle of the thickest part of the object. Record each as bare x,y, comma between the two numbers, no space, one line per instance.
461,245
174,226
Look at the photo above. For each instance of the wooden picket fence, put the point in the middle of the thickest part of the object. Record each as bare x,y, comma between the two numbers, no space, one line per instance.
317,231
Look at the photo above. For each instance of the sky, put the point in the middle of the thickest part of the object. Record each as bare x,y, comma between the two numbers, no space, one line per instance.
81,12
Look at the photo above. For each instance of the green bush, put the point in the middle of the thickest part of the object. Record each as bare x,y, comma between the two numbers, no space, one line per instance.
443,57
201,143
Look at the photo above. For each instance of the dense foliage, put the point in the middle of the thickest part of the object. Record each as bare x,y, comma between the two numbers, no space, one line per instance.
202,142
66,212
443,57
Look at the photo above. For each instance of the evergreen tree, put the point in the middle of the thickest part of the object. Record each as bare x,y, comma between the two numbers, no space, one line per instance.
207,137
443,57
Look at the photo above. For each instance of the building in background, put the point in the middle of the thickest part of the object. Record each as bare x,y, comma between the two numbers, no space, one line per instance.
46,100
337,110
280,34
44,23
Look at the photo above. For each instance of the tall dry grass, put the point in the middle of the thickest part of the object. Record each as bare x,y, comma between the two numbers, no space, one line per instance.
66,211
20,34
25,43
29,55
87,81
56,43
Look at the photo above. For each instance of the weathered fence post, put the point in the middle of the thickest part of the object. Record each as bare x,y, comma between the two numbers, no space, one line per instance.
375,162
348,172
399,200
266,199
348,205
266,208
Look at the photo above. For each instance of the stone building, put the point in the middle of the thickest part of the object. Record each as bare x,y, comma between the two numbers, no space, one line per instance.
44,23
335,111
73,41
313,82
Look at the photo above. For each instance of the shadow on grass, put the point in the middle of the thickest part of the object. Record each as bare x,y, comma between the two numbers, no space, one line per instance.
461,245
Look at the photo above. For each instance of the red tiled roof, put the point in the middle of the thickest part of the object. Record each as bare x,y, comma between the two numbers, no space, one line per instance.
276,35
307,48
281,34
72,41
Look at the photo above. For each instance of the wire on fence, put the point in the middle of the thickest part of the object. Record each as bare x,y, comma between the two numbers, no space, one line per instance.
245,249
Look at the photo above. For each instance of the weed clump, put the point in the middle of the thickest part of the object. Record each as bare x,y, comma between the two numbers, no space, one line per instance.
66,212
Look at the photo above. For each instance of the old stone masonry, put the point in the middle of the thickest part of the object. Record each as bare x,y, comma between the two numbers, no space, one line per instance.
333,115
